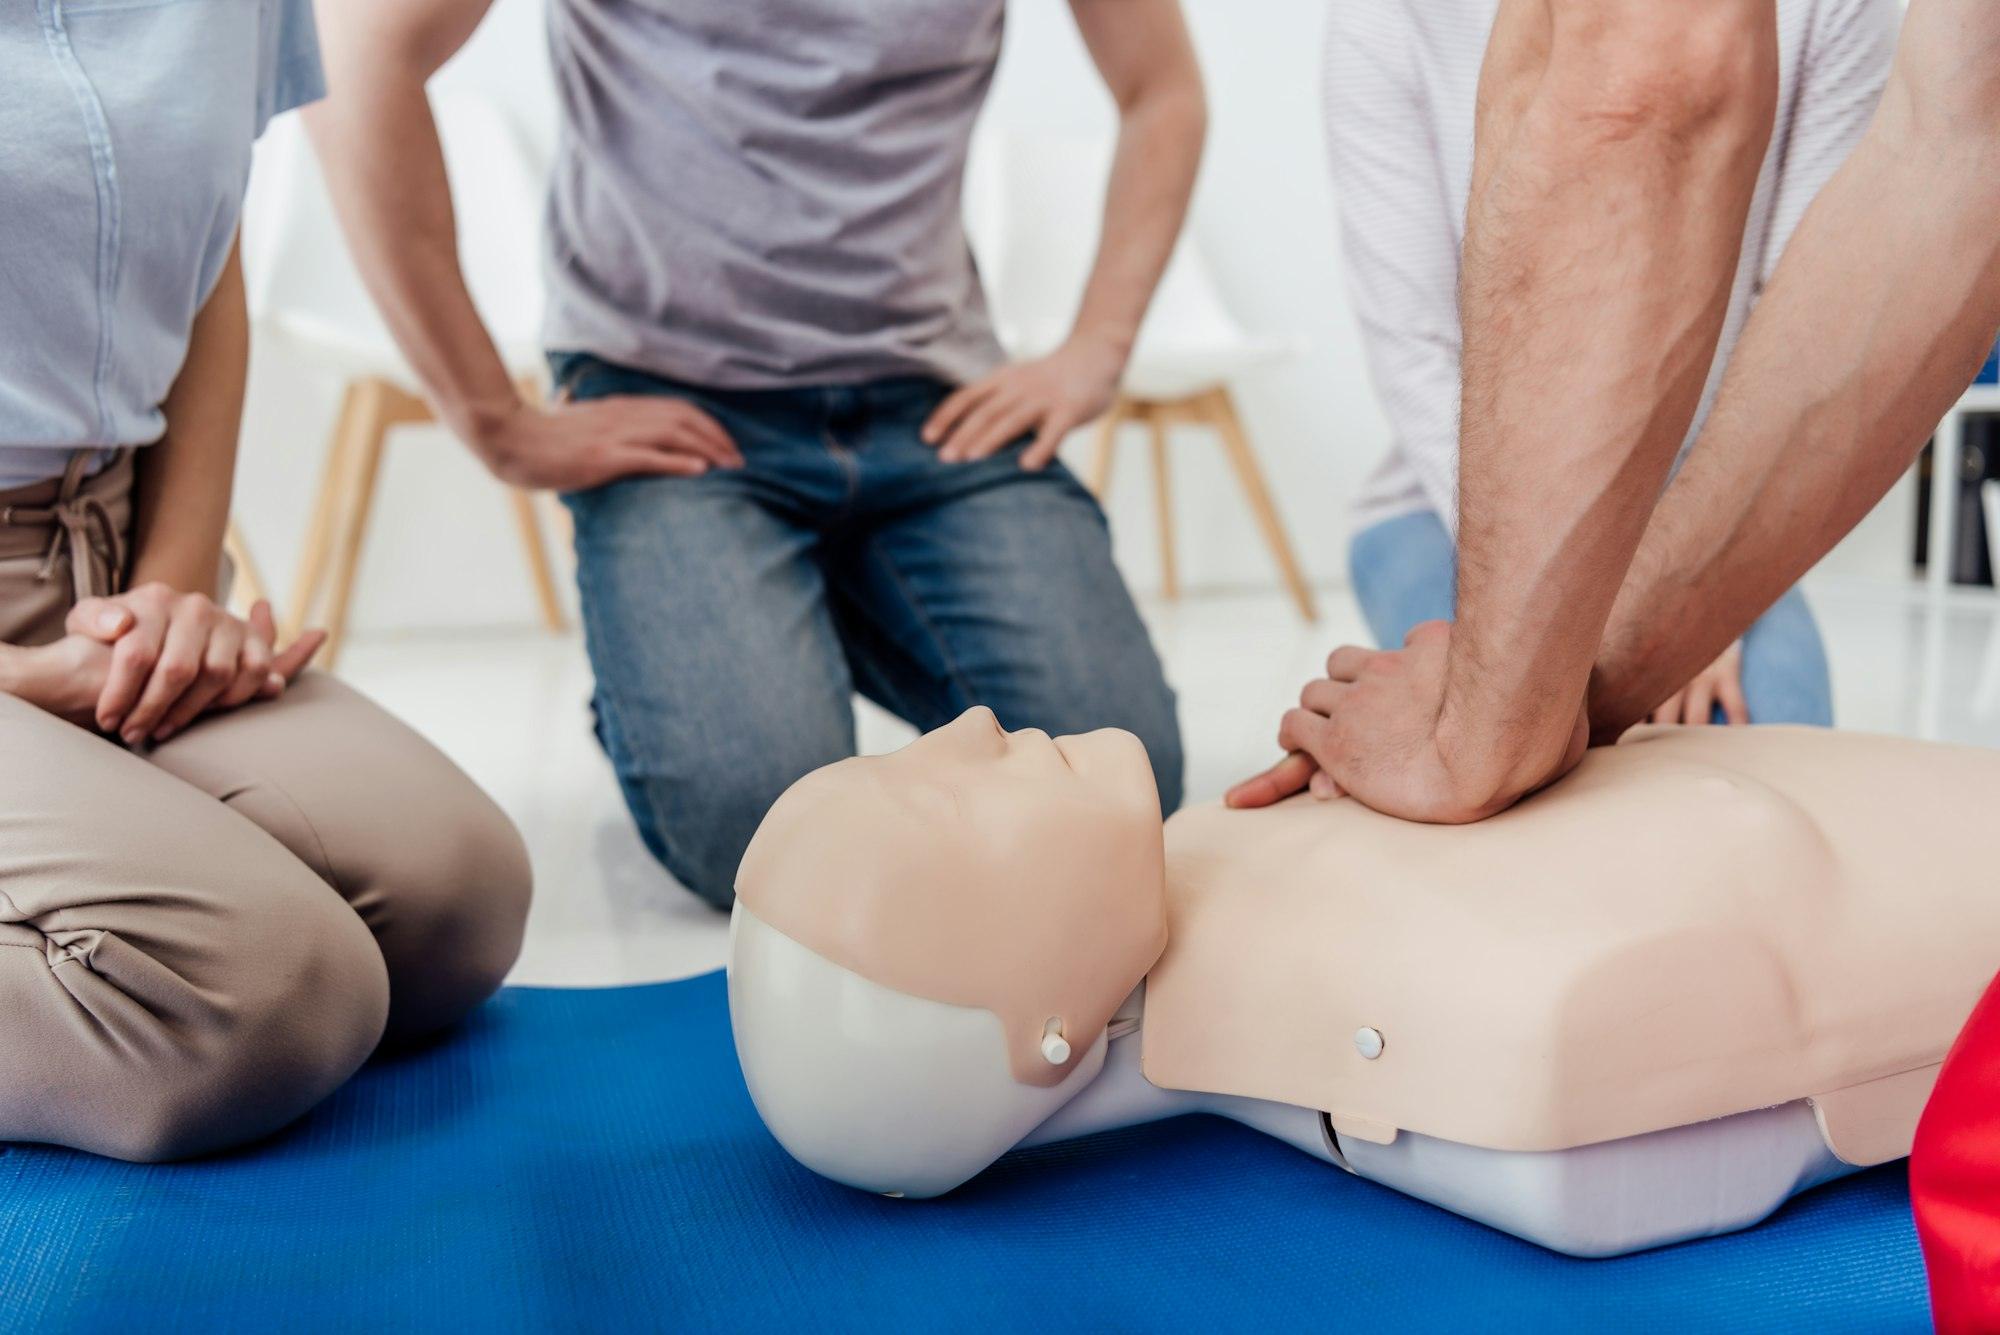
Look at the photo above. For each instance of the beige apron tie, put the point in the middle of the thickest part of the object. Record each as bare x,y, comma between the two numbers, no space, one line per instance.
83,529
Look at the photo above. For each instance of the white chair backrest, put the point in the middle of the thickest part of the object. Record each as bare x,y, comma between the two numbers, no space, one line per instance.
1034,206
499,189
297,260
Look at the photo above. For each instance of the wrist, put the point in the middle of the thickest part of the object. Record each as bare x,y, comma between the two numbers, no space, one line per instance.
481,422
1111,344
1613,697
1497,756
182,572
14,663
1611,709
27,673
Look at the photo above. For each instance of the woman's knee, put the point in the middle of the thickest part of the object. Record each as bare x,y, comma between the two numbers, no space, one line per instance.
299,1008
447,901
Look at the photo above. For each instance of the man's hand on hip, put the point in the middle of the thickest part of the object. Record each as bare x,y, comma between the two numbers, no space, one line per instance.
574,446
1050,396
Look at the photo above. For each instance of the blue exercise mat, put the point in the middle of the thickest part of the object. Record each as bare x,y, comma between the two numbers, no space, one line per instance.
579,1160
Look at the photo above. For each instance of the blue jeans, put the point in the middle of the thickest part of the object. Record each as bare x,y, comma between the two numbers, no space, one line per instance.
1405,571
731,617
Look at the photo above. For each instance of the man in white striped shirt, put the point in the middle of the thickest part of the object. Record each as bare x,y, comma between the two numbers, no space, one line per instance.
1401,82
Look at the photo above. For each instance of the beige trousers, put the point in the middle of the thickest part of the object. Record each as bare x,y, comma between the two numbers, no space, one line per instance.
200,941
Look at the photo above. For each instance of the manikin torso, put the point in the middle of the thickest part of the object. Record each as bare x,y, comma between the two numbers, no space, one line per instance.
1709,969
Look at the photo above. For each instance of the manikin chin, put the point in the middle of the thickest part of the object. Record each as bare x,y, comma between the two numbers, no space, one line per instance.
1710,969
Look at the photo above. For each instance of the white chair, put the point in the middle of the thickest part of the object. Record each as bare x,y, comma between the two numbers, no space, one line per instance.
1032,208
306,296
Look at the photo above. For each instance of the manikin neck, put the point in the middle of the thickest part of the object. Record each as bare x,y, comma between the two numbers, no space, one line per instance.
1121,1095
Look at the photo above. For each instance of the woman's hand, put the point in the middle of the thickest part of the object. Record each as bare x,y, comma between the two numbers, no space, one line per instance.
65,678
1720,683
175,656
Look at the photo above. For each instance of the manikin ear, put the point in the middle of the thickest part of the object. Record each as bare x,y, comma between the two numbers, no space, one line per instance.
872,1087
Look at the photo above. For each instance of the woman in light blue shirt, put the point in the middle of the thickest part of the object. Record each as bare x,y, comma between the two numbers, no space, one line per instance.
231,877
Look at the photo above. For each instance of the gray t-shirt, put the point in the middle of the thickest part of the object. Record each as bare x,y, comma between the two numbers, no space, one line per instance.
766,193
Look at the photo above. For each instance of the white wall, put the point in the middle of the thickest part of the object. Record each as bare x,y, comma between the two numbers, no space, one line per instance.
1263,218
441,549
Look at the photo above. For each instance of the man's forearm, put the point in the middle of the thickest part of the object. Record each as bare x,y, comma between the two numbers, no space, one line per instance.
182,485
1877,318
1618,148
1148,63
384,164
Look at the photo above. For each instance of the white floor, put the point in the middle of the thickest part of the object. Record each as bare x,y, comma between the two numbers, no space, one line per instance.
511,707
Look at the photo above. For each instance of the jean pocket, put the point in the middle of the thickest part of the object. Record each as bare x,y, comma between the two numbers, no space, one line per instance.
570,374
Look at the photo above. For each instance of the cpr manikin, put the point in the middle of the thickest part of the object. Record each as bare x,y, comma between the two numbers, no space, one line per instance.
1710,969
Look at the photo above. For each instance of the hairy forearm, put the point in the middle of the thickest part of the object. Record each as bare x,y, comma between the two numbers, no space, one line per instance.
1875,321
1602,237
1148,62
384,164
1152,175
182,484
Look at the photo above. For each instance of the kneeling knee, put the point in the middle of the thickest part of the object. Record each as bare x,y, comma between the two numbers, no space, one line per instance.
703,850
449,914
698,833
1159,731
307,1011
1167,768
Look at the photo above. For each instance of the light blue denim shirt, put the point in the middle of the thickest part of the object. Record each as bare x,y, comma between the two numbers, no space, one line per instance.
125,135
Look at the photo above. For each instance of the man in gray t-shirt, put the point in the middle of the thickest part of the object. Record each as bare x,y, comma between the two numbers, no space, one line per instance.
796,460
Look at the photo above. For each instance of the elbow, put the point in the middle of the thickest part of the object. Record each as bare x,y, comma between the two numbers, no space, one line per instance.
1196,112
1942,102
1176,106
1700,72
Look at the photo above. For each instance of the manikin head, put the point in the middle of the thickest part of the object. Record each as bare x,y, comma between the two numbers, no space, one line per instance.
927,946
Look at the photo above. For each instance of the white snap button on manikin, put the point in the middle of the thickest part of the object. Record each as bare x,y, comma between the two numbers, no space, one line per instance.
1368,1042
1055,1048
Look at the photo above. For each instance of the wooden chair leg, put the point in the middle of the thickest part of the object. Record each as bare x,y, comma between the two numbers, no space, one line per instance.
1163,499
537,552
248,585
1220,411
339,525
527,518
328,505
372,421
1107,447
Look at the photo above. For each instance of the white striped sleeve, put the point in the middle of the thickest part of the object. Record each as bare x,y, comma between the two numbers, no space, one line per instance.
1399,246
1851,45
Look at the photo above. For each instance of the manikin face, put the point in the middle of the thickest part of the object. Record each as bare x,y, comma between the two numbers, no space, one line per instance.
929,943
972,779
